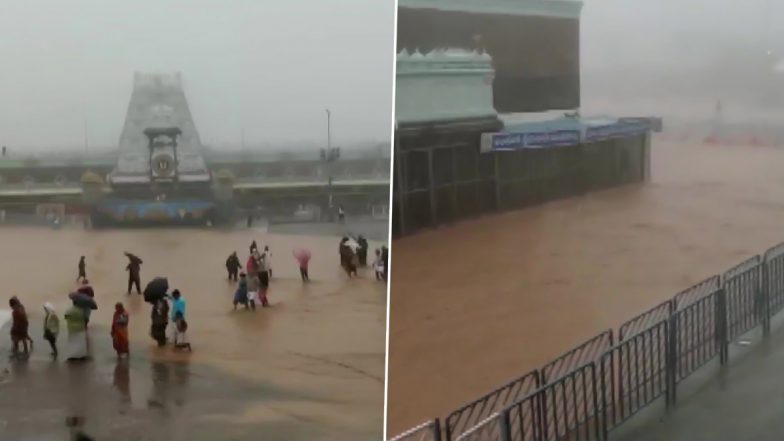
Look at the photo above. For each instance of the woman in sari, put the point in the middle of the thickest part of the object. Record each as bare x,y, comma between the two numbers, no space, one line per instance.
77,333
120,330
19,325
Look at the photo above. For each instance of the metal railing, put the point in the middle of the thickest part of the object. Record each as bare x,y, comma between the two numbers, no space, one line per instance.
480,409
428,431
596,387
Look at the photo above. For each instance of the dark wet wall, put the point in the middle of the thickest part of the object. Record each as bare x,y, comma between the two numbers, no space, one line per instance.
537,59
444,179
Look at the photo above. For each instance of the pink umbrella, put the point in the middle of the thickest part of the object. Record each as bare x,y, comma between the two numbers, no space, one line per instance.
302,255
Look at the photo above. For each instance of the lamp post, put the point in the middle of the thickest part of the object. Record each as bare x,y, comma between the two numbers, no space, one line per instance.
329,130
328,156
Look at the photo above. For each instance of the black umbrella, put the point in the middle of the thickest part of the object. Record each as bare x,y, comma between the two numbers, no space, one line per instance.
156,289
81,300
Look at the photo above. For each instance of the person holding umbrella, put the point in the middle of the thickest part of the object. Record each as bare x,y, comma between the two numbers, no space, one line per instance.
160,320
303,258
134,272
155,294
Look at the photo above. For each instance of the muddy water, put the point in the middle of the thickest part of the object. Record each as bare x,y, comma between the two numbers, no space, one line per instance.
311,366
476,304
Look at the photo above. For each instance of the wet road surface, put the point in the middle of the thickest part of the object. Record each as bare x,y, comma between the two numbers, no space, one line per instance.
479,303
309,367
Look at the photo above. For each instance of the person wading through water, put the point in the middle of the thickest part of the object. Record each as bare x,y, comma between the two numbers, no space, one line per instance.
119,330
51,327
82,269
233,266
261,268
76,322
134,269
303,258
19,327
267,259
87,290
160,320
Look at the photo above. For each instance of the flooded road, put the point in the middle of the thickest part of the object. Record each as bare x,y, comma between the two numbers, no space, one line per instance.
310,367
479,303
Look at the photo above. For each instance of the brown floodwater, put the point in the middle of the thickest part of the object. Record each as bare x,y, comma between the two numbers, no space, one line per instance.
311,366
476,304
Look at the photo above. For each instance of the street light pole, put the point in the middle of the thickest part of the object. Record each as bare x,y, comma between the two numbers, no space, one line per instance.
86,141
328,159
329,130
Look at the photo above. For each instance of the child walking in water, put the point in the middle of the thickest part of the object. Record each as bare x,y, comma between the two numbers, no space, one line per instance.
180,330
241,293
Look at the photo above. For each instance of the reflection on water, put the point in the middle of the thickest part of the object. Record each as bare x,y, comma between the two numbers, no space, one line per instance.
122,380
482,302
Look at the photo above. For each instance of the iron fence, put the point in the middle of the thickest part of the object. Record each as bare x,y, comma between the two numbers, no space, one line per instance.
478,410
597,386
635,372
570,406
427,431
585,353
647,319
696,335
490,429
524,419
696,292
743,290
773,274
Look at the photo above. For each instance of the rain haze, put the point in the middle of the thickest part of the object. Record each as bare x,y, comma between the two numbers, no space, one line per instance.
676,57
258,73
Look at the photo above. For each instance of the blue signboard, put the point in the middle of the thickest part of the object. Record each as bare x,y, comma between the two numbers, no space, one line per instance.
620,130
532,140
507,141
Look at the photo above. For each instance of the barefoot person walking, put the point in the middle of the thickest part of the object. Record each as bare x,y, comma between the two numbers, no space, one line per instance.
51,327
119,330
19,327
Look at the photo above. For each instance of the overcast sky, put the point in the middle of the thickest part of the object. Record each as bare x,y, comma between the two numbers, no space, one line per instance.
671,56
672,33
268,67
